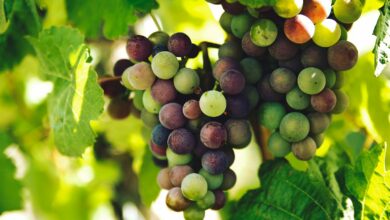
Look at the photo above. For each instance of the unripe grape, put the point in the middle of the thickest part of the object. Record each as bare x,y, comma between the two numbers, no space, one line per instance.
305,149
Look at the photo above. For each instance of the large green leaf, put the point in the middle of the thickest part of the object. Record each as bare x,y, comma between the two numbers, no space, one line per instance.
288,194
257,3
368,185
115,16
382,46
10,189
77,97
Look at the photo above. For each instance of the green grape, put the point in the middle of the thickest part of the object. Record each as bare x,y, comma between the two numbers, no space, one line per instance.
125,82
278,146
252,70
207,201
140,76
213,181
225,21
194,213
194,186
297,99
305,149
212,103
263,32
294,127
165,65
270,114
186,81
311,80
149,103
340,79
288,8
253,96
149,119
175,159
341,103
327,33
347,11
241,24
159,38
137,99
330,76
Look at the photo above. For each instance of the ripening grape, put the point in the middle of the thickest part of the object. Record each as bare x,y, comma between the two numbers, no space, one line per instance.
324,101
159,38
263,32
299,29
238,133
175,159
163,91
215,162
278,146
271,114
186,81
237,106
327,33
294,127
319,139
149,103
250,48
232,82
305,149
241,24
207,201
194,187
282,80
213,135
149,119
223,65
159,152
297,99
288,8
163,179
319,122
252,70
220,199
139,48
171,116
176,174
194,213
191,109
180,44
213,181
342,56
176,201
181,141
212,103
341,103
165,65
311,80
160,135
283,49
266,92
229,180
317,10
348,11
140,76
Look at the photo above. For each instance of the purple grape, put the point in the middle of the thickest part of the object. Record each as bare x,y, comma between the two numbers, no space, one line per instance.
139,48
324,101
159,152
237,106
223,65
194,51
112,87
180,44
191,109
229,180
233,8
283,49
181,141
314,56
220,200
160,135
342,56
119,108
171,116
213,135
266,92
232,82
250,48
177,174
293,64
215,162
121,65
176,201
163,91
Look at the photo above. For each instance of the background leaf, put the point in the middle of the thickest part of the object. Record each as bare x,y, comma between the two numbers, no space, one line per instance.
382,46
257,3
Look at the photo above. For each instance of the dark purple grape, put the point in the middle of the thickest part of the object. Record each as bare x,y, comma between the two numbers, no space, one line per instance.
215,162
160,135
163,179
230,156
200,149
139,48
159,162
229,180
191,109
314,56
121,65
213,135
112,87
250,48
181,141
324,101
283,49
158,151
233,8
293,64
239,133
223,65
220,200
237,106
266,92
176,201
177,174
171,116
119,108
159,48
194,51
342,56
163,91
180,44
232,82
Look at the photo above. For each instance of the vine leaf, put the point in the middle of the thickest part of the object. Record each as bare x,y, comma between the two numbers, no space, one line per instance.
257,3
368,184
10,189
77,97
288,194
382,46
115,16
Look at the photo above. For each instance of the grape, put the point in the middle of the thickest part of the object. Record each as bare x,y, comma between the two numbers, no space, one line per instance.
163,179
149,119
159,38
263,32
125,82
294,127
342,56
163,91
149,103
238,133
341,103
215,162
319,122
250,48
186,81
213,135
179,44
314,56
231,49
165,65
223,65
191,109
139,48
327,33
252,95
176,201
207,201
319,139
213,181
324,101
171,116
299,29
282,80
340,79
175,159
305,149
119,108
317,10
241,24
160,163
347,11
233,8
140,76
194,51
297,99
177,173
252,70
181,141
232,82
225,21
311,80
194,186
330,76
266,92
283,49
212,103
112,87
229,180
271,114
160,135
288,8
121,65
158,49
293,64
229,155
194,213
237,106
220,199
159,152
278,146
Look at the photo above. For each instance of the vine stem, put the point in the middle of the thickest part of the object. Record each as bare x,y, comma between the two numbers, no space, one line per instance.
207,69
155,21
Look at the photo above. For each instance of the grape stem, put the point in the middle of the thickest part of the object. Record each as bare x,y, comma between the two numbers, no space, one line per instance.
155,21
210,44
207,69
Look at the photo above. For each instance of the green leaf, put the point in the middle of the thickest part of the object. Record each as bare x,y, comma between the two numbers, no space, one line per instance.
382,46
368,185
10,189
149,189
77,97
257,3
288,194
115,16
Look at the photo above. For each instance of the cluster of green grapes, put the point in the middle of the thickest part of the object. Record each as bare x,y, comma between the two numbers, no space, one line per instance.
293,53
